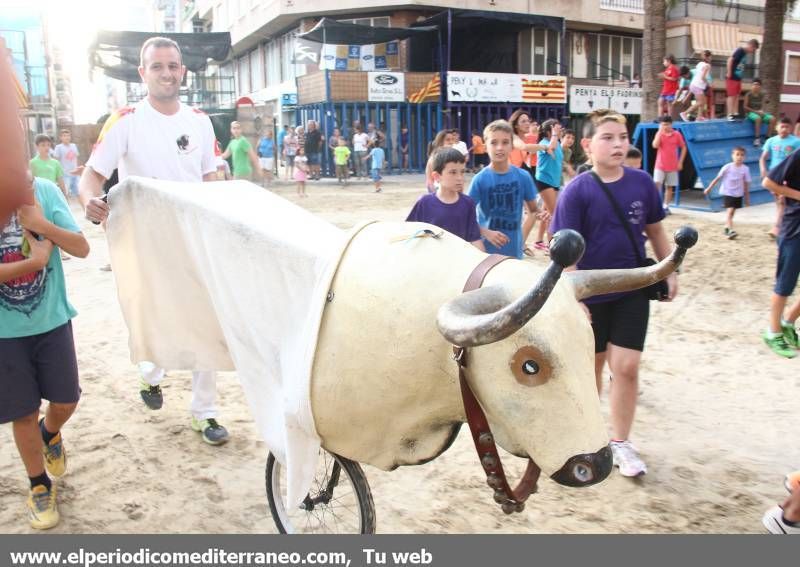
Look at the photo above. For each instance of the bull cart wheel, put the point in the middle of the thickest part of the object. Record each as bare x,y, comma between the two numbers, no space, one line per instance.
339,502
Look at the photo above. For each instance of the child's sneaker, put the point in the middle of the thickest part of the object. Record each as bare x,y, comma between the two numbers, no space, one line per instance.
775,523
778,345
626,457
731,234
757,142
684,116
55,457
541,246
790,334
42,509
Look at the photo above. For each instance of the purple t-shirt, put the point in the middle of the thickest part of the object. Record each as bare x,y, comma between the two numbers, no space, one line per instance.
458,218
584,207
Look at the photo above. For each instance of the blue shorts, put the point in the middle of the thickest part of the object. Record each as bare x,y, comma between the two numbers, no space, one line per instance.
313,159
667,97
788,266
375,174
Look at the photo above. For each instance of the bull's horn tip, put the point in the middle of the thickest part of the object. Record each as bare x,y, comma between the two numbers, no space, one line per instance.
686,236
567,247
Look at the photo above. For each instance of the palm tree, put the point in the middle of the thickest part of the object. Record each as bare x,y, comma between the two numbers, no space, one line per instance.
771,64
654,46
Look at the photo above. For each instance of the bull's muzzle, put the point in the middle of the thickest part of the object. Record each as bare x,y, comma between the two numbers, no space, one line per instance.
586,469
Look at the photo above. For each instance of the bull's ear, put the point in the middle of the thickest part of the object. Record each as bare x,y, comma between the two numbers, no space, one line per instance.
467,319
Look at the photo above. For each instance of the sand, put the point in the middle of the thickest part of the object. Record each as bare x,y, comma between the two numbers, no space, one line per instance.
715,421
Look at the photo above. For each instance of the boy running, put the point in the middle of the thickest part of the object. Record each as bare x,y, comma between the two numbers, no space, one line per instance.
781,336
735,177
449,208
36,345
619,320
501,191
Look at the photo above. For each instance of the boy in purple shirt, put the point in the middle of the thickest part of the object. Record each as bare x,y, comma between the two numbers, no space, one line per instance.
619,320
448,207
735,188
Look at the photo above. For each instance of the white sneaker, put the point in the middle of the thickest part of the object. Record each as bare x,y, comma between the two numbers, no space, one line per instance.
626,457
775,523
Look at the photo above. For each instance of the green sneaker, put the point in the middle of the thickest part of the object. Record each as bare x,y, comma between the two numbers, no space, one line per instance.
213,433
790,334
779,346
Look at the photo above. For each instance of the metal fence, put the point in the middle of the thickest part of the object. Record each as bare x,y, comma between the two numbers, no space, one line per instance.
422,121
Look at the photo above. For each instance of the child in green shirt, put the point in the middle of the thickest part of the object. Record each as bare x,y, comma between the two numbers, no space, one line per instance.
341,155
245,161
42,165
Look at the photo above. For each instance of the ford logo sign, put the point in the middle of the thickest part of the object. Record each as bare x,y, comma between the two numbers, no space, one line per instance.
385,80
329,57
366,57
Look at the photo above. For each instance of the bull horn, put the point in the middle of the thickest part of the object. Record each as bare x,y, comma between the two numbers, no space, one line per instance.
490,314
588,283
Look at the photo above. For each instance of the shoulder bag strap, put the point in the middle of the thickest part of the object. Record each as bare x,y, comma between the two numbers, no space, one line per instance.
625,224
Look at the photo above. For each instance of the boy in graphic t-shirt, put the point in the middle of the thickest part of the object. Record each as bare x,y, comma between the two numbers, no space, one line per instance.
448,207
500,192
36,345
668,164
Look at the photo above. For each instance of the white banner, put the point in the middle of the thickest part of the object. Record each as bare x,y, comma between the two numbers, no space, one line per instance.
506,87
386,87
587,98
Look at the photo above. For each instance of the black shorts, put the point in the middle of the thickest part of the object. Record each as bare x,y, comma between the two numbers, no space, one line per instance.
622,322
36,368
542,186
732,202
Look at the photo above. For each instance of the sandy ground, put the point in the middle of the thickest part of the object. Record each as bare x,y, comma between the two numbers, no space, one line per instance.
716,418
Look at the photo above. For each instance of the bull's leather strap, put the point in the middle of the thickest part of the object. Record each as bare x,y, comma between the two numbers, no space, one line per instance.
511,500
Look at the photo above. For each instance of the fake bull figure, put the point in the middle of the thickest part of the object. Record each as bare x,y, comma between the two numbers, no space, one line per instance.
344,340
531,369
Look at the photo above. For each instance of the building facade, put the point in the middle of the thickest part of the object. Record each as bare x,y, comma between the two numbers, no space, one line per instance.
790,93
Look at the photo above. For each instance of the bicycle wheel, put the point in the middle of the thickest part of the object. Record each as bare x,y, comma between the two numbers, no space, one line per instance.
339,500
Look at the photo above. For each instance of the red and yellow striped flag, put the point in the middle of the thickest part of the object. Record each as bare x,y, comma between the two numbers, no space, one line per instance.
431,90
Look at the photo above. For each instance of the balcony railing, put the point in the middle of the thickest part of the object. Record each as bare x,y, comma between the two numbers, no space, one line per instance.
632,6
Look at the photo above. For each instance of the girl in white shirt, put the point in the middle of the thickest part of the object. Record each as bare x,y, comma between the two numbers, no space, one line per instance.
699,85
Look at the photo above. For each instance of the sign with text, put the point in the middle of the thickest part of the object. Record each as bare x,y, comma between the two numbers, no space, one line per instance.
506,87
386,87
587,98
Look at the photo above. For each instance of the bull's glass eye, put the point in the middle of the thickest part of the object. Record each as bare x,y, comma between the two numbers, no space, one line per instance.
530,367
